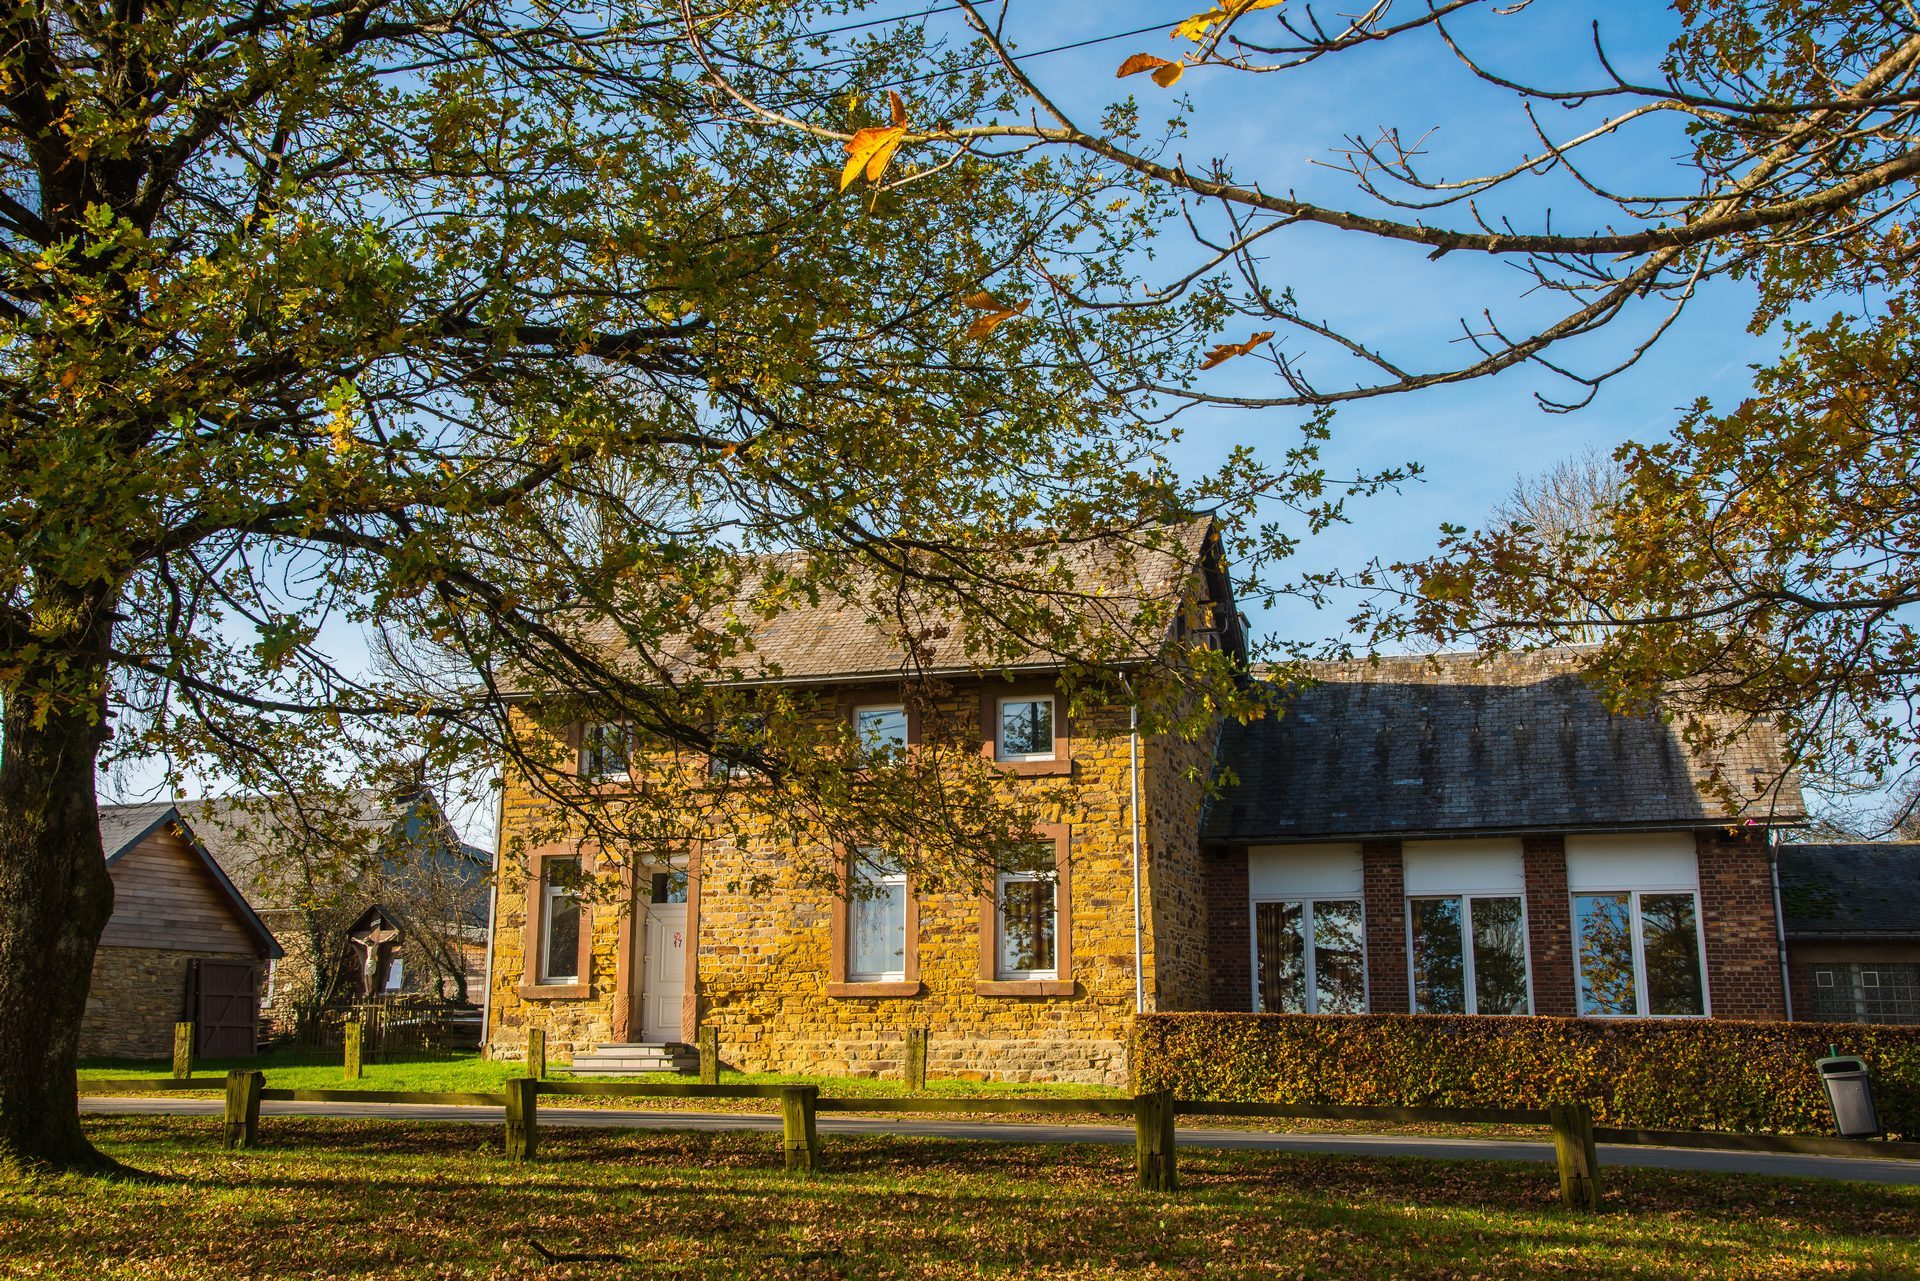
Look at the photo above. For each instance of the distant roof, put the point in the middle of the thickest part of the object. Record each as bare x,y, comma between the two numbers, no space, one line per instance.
1458,743
124,826
839,637
1868,890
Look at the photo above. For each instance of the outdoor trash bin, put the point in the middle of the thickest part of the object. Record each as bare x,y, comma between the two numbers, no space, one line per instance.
1850,1092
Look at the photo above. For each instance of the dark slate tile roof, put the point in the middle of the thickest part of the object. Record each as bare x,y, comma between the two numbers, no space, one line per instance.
1460,743
122,825
858,633
1865,890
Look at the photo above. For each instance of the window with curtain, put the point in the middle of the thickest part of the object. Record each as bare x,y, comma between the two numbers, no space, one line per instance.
876,919
1309,957
1639,953
1468,953
1027,913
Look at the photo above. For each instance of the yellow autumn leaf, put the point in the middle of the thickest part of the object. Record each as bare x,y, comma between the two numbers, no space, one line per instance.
1222,16
983,301
868,151
998,314
897,109
1228,350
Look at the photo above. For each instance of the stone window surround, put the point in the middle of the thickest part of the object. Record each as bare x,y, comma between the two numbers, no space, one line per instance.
989,983
839,986
990,695
536,879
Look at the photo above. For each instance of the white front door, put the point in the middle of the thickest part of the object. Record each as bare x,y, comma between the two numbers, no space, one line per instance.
664,980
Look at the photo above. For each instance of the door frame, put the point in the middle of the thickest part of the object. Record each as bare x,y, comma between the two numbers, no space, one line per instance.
630,1010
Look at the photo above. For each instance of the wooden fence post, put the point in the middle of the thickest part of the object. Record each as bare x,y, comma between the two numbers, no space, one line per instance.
523,1119
242,1127
1153,1142
182,1051
537,1053
1574,1150
352,1030
800,1138
916,1066
707,1041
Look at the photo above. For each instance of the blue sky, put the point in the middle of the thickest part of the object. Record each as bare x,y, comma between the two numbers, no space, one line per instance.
1474,439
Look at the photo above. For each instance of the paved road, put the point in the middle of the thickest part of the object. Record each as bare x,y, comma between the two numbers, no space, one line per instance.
1785,1164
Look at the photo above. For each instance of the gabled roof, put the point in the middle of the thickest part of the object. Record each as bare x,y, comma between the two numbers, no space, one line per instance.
124,826
1111,578
1462,743
1865,890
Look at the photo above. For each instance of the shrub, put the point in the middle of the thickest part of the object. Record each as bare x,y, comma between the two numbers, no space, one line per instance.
1695,1074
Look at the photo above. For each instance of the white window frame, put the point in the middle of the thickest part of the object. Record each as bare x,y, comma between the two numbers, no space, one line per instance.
1638,934
549,894
1466,898
625,732
1310,979
905,724
1000,882
396,975
1000,752
854,880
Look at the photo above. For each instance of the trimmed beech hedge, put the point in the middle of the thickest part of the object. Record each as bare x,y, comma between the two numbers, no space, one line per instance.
1691,1074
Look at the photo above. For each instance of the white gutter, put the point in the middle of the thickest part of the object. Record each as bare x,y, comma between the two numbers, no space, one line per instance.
493,912
1139,946
1780,921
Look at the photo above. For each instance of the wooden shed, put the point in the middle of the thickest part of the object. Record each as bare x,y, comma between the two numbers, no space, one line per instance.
183,943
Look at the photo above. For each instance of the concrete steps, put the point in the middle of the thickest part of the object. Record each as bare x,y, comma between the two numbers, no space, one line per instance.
635,1058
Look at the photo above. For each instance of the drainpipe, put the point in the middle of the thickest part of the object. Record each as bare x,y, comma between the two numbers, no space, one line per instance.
1779,921
493,913
1139,946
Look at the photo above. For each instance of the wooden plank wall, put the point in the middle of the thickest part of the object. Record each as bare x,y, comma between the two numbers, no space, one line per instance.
164,898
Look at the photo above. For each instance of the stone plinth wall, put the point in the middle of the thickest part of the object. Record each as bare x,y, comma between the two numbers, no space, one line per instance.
138,994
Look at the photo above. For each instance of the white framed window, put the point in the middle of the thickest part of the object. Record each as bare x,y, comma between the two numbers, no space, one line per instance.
1639,953
881,729
560,920
1309,956
1467,954
1023,730
606,750
876,919
1026,898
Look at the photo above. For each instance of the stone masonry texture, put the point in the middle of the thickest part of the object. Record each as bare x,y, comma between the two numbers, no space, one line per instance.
138,994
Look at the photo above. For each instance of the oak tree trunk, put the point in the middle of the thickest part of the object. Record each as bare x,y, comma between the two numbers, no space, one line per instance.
55,898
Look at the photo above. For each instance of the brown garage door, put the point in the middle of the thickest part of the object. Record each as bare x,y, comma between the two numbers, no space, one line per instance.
221,995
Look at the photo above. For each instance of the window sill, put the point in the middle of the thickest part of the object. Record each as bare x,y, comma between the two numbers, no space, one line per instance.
855,991
555,991
1024,987
1033,769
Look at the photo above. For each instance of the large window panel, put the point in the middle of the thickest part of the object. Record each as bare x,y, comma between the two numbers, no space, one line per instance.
1604,925
1640,954
1027,905
1499,956
1309,957
1671,932
560,920
1468,954
1439,959
876,921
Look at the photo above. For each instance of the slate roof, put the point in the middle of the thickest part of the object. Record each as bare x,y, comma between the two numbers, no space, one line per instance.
845,636
1868,890
1461,743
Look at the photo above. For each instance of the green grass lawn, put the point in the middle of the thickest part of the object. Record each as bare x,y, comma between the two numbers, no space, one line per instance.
471,1073
393,1199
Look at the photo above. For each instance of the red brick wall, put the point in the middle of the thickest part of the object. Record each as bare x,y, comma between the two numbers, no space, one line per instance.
1383,878
1736,913
1229,931
1549,924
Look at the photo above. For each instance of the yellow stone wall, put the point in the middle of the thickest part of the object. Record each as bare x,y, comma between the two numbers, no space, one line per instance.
763,952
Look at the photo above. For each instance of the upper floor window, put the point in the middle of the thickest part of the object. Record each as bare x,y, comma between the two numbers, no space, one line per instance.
606,749
876,919
1024,729
1469,954
881,729
560,920
1639,953
733,745
1027,913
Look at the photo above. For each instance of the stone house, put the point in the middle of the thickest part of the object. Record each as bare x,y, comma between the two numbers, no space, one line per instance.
1852,915
1450,835
182,944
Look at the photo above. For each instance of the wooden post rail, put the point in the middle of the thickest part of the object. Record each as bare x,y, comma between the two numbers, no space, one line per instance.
523,1119
1576,1156
799,1137
537,1053
1153,1159
707,1042
351,1035
242,1125
916,1063
182,1051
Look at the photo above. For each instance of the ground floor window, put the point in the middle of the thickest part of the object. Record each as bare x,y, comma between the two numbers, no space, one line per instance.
1639,953
1469,954
876,920
1027,913
1309,957
560,920
1874,992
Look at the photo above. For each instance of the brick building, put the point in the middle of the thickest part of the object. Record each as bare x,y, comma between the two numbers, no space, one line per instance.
1442,835
1853,930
